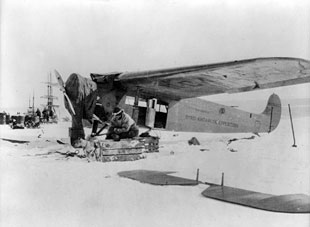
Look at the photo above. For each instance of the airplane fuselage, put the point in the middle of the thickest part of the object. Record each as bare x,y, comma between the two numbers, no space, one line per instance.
198,115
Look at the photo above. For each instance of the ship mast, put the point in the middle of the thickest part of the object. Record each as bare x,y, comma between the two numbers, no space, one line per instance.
50,98
33,104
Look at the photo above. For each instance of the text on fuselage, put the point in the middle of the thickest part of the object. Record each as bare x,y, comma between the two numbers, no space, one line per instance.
212,121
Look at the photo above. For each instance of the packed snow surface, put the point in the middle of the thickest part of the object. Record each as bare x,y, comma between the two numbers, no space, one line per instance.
40,187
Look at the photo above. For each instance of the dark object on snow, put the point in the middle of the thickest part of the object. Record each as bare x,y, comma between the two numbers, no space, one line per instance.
232,150
63,141
32,121
156,177
151,142
204,149
15,141
145,134
193,141
2,118
245,138
15,125
293,203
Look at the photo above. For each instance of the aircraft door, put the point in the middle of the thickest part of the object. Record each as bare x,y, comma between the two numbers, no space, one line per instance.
150,113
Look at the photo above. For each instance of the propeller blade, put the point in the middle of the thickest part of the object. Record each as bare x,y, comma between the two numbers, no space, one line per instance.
70,104
60,81
62,88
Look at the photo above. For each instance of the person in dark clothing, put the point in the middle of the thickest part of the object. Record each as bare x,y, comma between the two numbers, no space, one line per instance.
83,95
45,115
38,112
51,114
27,121
88,99
36,121
122,126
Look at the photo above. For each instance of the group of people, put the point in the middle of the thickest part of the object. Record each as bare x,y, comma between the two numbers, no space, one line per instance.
46,115
34,120
81,102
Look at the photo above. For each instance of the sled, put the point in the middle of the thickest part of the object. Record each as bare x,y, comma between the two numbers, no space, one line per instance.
123,150
108,150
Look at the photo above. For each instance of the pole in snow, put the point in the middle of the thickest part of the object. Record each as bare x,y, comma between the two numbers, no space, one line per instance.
270,120
197,176
289,108
222,182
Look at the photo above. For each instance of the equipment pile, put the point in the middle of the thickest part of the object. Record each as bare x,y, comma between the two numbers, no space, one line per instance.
124,150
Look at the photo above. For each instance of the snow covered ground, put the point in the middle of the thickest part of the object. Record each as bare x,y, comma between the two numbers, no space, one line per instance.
50,190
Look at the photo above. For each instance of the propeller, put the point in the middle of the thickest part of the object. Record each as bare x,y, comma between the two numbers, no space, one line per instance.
62,88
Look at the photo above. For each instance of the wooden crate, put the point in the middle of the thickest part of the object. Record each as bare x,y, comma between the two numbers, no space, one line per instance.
123,150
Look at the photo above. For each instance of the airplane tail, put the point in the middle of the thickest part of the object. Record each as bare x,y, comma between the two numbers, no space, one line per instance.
273,111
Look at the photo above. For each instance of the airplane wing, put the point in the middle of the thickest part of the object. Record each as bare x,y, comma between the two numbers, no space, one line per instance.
204,80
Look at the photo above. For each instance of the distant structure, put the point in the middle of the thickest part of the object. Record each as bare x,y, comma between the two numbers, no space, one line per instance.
49,110
30,110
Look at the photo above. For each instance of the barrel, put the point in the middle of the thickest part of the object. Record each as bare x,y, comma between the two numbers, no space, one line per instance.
2,118
20,119
7,119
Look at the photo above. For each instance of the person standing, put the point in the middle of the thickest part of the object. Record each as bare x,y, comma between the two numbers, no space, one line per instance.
38,112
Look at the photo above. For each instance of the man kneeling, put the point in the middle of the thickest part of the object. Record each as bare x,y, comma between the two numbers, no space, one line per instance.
122,126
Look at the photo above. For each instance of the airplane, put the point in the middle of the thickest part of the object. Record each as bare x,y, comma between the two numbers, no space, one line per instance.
176,90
